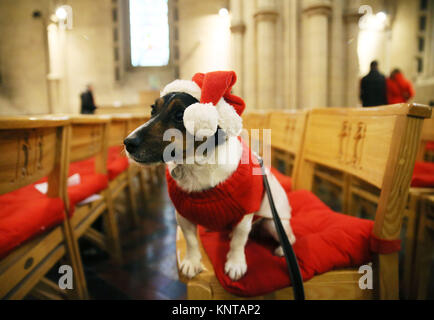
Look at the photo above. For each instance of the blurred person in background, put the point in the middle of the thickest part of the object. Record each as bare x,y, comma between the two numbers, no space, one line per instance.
399,89
87,102
373,87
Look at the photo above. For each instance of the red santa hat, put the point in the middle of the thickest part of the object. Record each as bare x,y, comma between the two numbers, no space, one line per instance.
217,106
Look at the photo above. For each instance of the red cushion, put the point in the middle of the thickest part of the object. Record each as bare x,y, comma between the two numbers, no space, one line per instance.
90,182
325,240
116,162
25,213
423,175
430,146
284,180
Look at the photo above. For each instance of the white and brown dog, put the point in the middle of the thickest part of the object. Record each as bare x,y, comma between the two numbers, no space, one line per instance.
218,194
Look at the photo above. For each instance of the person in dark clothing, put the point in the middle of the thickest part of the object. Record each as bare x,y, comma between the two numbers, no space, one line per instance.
87,101
373,87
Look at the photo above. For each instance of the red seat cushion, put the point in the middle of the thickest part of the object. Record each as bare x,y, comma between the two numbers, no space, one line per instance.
284,180
423,175
116,162
90,182
25,213
325,240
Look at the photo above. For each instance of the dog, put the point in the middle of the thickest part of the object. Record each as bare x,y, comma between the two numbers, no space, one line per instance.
145,145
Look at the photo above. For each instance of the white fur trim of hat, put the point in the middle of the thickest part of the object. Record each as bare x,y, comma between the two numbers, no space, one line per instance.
202,119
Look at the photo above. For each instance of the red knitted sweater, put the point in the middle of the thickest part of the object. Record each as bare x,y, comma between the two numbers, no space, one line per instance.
223,206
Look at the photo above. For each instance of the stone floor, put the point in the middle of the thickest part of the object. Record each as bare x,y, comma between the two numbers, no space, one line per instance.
149,267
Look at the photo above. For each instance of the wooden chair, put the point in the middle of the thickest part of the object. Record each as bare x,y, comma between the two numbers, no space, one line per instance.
253,124
423,255
287,129
33,148
119,129
89,141
395,130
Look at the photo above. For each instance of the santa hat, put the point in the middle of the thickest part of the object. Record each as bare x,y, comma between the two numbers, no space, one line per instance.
217,106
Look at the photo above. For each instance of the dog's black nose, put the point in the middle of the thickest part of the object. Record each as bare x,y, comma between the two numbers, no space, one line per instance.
132,143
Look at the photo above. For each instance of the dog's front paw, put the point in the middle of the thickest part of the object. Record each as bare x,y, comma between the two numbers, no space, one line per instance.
235,268
190,267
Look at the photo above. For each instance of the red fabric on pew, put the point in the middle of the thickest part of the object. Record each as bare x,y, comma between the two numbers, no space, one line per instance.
325,240
423,175
90,182
116,162
26,213
430,146
378,245
284,180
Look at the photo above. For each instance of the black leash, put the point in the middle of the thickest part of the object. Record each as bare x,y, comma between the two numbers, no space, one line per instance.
291,259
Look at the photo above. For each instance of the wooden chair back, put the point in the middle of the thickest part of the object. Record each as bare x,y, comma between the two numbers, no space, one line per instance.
32,148
254,123
119,129
376,146
89,138
287,131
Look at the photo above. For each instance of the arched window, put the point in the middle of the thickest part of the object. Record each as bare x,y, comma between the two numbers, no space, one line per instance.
149,33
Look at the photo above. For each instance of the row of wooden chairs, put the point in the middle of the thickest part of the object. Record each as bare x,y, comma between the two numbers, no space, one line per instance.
356,197
367,154
38,230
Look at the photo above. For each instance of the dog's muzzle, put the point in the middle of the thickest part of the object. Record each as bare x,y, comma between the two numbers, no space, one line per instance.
132,143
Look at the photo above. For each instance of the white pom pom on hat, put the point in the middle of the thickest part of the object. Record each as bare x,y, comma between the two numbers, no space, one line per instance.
217,106
201,119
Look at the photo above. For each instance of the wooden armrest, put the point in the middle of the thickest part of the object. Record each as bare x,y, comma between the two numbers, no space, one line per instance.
420,191
26,122
90,119
414,110
121,116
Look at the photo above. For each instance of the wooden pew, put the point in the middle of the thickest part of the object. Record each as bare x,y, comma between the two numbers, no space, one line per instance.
287,130
253,123
348,141
89,139
119,129
139,109
395,130
33,148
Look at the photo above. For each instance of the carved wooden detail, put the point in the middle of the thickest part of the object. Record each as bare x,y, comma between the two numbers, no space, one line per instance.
26,156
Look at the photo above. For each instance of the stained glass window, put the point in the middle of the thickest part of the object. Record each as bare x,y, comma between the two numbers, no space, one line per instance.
149,32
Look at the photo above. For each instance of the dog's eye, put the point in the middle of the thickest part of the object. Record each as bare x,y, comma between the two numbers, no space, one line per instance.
179,116
153,111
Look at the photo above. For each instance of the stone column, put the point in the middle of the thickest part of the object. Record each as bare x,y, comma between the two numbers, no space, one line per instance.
249,55
352,78
316,15
290,53
337,56
265,18
237,43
